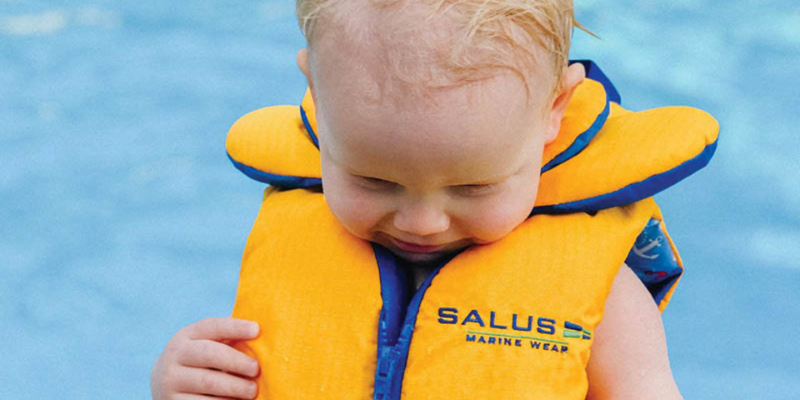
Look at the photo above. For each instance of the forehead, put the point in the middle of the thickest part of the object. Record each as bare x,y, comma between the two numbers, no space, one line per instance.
387,107
466,134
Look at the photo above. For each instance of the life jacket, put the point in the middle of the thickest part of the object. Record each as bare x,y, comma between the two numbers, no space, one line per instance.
513,319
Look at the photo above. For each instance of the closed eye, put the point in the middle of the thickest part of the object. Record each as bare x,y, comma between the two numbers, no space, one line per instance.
375,183
474,190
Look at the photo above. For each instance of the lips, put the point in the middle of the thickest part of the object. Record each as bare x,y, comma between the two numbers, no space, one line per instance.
414,247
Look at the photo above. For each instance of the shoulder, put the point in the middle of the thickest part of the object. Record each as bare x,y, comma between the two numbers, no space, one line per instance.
629,355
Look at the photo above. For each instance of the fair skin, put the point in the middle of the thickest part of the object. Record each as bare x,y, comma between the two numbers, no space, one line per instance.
629,354
426,174
199,363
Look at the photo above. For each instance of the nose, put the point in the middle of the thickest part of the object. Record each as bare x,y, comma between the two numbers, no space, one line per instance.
421,219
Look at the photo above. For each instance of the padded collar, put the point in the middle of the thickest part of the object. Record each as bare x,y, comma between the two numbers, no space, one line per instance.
604,156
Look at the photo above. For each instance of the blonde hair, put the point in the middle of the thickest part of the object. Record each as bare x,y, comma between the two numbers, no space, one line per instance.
507,33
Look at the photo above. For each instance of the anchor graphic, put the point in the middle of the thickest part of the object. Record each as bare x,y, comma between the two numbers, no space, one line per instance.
641,252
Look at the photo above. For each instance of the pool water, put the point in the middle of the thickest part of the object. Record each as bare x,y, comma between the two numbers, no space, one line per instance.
123,220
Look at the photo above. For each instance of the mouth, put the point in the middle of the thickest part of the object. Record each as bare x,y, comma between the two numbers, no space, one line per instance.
414,247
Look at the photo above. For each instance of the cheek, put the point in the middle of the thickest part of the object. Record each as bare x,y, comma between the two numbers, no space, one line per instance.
498,216
355,210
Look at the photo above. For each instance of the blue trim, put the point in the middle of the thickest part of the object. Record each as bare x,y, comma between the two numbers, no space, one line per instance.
581,142
635,191
594,72
307,124
393,346
291,182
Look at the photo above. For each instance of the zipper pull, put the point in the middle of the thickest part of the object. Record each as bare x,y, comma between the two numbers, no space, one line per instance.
385,375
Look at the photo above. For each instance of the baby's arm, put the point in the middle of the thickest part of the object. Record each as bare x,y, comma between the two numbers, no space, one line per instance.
629,355
198,361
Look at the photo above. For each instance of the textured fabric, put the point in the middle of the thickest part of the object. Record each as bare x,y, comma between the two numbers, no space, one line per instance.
273,141
315,292
497,321
553,271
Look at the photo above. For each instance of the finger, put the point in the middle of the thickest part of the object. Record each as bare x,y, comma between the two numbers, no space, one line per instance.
208,382
222,329
210,354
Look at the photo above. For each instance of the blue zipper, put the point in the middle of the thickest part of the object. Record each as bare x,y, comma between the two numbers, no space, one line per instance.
396,324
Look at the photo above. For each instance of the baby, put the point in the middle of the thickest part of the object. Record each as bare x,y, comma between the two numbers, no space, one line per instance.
432,120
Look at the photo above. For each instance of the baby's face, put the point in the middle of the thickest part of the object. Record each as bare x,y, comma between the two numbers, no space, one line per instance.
427,174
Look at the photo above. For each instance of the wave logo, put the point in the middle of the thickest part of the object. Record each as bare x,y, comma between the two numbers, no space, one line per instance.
576,331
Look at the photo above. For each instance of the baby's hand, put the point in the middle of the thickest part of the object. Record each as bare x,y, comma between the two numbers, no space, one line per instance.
198,361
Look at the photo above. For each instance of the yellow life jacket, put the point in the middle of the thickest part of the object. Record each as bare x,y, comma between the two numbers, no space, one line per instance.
508,320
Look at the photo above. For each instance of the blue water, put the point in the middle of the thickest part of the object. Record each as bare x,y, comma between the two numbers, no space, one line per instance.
123,221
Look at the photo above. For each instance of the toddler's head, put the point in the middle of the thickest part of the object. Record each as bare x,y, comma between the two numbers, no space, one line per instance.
433,114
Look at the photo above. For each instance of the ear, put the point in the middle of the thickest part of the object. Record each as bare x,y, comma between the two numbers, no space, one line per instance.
573,76
304,65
